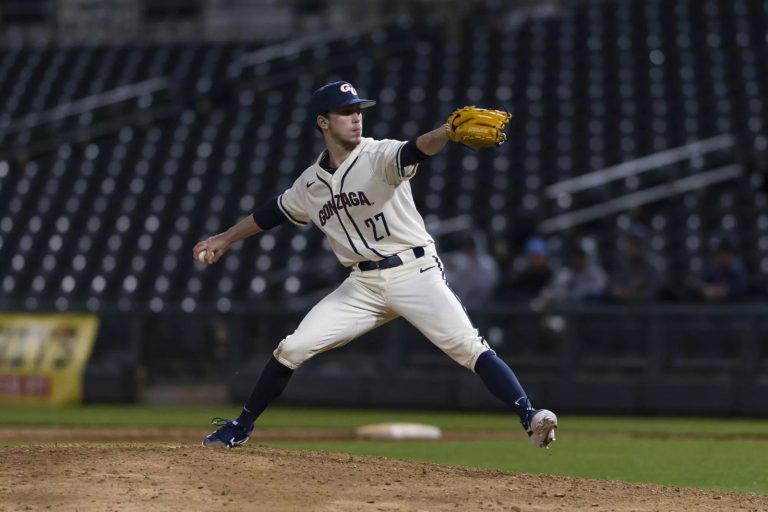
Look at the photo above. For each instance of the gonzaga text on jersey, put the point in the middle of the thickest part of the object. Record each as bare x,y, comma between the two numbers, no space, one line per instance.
341,201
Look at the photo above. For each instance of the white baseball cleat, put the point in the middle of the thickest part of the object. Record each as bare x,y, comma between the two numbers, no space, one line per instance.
541,428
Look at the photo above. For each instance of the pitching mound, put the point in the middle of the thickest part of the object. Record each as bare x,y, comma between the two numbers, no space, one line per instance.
182,477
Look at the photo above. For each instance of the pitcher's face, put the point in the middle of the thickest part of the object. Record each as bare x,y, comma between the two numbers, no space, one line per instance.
345,126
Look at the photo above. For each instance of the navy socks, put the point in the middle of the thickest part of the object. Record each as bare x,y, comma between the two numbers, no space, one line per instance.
274,377
501,381
497,376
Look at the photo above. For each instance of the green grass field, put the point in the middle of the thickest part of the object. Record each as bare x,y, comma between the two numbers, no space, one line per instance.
725,454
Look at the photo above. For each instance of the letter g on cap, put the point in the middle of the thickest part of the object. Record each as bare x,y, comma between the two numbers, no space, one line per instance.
348,88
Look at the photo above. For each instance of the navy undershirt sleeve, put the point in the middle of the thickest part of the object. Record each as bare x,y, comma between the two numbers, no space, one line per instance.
269,215
411,154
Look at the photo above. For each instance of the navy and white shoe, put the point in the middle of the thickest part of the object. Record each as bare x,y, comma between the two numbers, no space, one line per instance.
540,426
230,434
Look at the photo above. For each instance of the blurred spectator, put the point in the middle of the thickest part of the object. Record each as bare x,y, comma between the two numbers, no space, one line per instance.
471,271
531,273
640,272
582,279
724,278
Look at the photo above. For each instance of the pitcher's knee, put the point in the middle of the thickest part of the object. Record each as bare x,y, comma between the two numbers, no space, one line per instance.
291,355
466,351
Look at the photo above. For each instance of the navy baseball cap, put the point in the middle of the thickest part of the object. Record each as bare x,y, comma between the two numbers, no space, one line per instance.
335,96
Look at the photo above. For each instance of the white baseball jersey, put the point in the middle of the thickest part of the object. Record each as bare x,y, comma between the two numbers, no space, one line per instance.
365,207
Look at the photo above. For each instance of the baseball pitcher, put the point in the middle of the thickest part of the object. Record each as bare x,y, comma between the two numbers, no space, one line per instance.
358,194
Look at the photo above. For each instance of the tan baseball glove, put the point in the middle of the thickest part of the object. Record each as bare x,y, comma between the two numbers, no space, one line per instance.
478,127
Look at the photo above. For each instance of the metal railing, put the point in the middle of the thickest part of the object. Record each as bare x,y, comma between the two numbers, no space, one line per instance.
87,104
639,165
649,336
642,197
670,186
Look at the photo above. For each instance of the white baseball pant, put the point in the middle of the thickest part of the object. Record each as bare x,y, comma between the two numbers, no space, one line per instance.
415,290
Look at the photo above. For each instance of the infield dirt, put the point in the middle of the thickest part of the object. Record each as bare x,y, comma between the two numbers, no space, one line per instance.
107,476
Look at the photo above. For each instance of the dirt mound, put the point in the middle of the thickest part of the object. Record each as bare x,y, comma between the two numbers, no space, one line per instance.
172,434
182,477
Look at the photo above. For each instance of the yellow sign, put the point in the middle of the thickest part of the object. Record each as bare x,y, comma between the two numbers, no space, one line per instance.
43,357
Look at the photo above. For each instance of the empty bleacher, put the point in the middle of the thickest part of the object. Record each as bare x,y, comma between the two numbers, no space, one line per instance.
94,219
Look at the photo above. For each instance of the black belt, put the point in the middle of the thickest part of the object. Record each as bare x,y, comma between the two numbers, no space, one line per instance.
392,261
